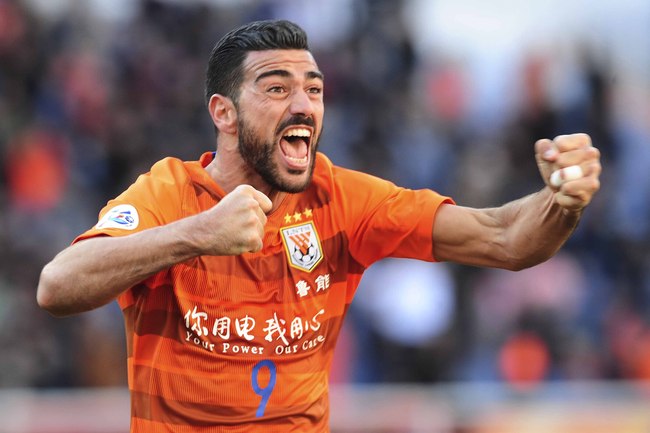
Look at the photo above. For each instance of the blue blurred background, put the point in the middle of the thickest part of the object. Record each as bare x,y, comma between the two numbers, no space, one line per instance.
444,94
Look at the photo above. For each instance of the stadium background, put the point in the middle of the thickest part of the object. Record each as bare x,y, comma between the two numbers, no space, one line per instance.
445,94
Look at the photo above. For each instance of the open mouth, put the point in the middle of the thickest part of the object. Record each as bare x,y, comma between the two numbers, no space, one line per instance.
294,144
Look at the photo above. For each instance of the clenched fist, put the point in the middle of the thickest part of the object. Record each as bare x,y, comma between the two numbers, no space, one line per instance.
235,225
570,165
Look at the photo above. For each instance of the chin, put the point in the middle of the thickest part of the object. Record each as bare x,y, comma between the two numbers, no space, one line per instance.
287,179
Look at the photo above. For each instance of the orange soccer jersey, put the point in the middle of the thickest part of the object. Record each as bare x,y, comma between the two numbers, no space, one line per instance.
244,343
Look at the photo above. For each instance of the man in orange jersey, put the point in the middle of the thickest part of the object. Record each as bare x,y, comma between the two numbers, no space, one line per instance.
234,272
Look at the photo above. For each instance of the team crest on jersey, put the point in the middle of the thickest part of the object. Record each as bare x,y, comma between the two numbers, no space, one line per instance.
302,245
123,216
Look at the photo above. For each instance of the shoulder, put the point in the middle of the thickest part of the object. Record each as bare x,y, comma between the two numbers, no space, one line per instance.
334,177
165,185
171,170
171,173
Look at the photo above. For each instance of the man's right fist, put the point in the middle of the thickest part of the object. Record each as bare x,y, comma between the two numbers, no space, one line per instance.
235,225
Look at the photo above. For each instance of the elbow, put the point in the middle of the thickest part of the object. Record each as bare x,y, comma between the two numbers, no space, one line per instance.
519,265
524,262
45,291
48,293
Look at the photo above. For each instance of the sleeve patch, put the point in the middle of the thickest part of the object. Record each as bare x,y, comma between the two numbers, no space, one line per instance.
123,216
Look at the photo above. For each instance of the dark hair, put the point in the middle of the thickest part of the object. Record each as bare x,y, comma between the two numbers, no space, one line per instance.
224,72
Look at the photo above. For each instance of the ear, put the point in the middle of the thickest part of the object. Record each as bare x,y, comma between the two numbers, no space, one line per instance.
223,113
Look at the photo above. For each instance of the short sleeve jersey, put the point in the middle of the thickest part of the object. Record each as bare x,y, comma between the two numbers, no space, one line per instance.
244,343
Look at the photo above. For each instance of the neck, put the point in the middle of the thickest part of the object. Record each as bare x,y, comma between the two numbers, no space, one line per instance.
231,172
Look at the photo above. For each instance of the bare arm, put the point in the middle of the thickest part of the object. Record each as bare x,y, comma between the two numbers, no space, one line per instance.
527,231
95,271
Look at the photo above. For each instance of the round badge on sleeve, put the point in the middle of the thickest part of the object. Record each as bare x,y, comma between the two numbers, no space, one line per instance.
123,216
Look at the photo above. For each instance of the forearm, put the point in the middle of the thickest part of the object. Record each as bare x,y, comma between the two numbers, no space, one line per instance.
95,271
530,230
536,227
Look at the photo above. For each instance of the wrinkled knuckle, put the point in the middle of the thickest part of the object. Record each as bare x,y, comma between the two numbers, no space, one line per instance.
568,189
597,168
595,184
255,244
560,137
251,204
542,143
244,189
251,239
580,140
594,152
252,220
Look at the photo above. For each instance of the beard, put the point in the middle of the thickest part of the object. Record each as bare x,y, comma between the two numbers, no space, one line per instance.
258,154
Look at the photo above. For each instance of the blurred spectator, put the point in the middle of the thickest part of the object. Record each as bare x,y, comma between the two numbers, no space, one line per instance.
528,313
402,315
37,171
524,360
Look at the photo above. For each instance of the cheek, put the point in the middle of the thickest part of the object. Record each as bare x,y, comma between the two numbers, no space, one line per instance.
319,131
265,121
257,123
319,115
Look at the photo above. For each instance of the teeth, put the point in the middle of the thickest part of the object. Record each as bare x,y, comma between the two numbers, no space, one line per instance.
298,132
297,160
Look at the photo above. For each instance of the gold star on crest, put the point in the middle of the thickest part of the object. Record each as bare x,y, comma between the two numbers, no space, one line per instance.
297,216
287,219
308,213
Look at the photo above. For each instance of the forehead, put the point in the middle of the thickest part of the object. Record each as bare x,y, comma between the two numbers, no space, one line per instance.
296,62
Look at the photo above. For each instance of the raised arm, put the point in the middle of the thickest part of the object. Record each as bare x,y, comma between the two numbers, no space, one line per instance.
95,271
530,230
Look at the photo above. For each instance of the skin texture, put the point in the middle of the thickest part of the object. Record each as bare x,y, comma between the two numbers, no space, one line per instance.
283,89
530,230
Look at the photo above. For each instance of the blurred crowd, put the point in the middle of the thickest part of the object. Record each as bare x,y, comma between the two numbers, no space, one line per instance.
87,104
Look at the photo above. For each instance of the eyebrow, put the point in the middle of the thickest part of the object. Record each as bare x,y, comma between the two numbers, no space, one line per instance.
284,73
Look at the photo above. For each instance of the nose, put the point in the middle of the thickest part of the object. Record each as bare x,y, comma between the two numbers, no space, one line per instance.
301,104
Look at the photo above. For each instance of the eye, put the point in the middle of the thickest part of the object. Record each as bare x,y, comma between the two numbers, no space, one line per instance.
315,90
276,89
